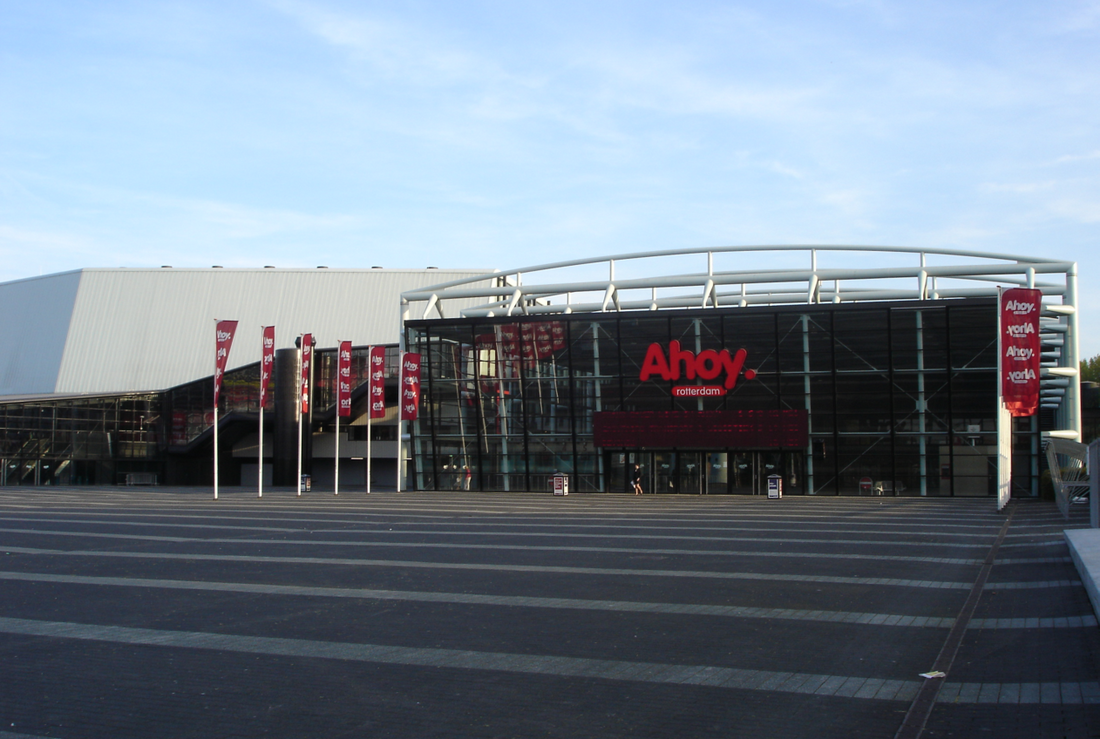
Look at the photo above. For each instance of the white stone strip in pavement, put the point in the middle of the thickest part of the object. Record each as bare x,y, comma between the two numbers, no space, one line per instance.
1036,585
335,543
154,524
830,579
1020,693
752,553
703,522
13,735
870,688
360,525
1061,622
1032,560
1052,542
618,606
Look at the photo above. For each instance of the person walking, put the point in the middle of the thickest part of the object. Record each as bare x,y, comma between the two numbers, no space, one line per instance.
636,481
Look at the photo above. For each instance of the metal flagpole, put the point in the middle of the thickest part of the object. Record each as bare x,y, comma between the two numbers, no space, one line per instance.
370,405
336,459
260,453
215,451
298,406
216,364
1004,418
260,461
400,400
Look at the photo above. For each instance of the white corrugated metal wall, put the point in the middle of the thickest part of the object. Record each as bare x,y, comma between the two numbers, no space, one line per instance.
34,321
148,329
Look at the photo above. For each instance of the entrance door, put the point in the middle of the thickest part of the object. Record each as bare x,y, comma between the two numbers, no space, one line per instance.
704,473
668,472
742,473
749,471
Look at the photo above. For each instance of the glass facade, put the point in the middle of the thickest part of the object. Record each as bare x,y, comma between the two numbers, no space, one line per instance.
899,399
81,441
158,437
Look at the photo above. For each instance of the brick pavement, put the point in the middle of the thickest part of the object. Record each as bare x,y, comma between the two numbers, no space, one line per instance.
162,612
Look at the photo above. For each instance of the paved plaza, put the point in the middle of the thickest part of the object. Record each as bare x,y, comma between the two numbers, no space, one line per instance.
159,612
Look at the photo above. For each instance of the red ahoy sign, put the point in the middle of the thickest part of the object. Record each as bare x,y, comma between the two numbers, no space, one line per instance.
343,379
223,331
267,362
1020,350
706,365
377,382
307,359
410,386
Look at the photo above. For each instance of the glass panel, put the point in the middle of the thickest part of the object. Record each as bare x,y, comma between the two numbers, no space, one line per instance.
862,340
908,452
862,459
973,337
864,403
913,328
637,334
974,401
547,406
797,333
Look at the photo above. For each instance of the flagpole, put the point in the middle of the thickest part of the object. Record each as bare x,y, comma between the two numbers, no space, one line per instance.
260,454
370,405
216,366
336,460
215,451
260,461
400,401
298,405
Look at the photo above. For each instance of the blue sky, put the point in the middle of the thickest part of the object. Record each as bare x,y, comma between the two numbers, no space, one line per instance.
493,134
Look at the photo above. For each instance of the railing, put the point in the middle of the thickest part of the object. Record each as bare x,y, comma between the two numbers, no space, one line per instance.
1068,463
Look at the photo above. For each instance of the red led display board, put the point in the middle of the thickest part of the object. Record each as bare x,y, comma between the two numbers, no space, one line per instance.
787,429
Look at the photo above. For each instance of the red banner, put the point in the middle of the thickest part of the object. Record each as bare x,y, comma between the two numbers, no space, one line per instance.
544,341
267,362
557,331
224,338
509,341
1020,349
527,345
343,379
377,382
307,361
410,386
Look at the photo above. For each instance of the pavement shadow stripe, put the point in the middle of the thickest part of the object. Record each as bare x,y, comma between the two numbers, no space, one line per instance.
618,572
460,528
646,672
961,561
317,542
681,609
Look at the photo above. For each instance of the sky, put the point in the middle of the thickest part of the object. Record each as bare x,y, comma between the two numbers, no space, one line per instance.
502,134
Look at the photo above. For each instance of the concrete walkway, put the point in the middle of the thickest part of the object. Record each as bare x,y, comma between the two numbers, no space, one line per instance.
132,613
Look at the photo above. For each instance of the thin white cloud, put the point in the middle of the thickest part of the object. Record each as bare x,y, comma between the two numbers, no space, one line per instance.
1020,187
1076,209
1070,158
391,47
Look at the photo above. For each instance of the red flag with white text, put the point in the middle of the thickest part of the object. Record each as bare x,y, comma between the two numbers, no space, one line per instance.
1020,350
267,361
224,332
377,388
410,386
343,379
307,361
